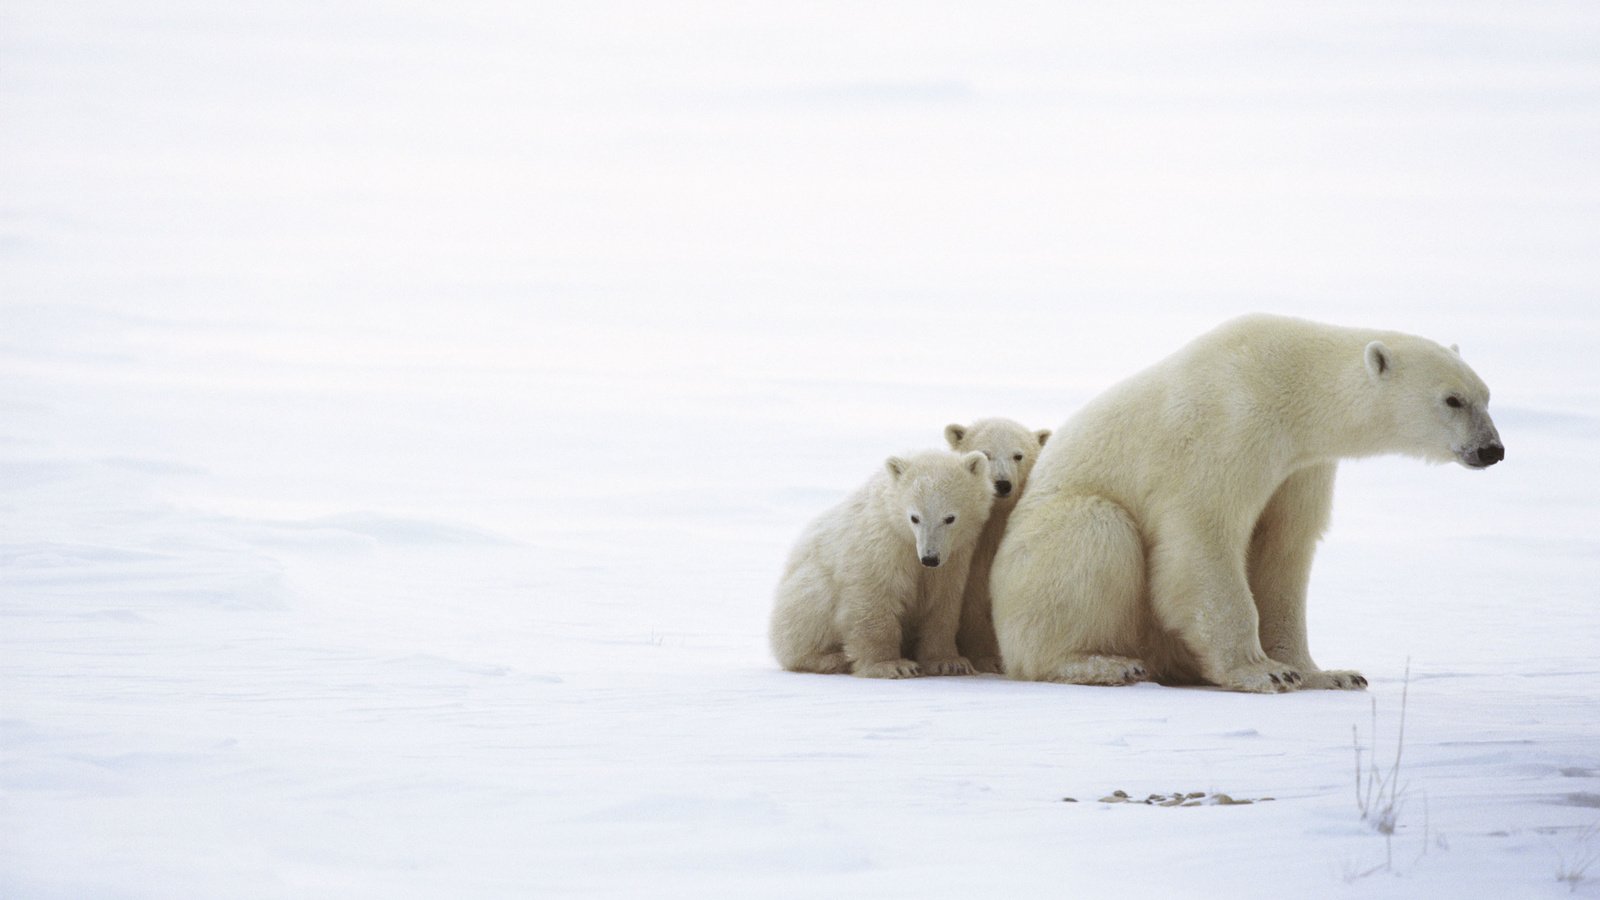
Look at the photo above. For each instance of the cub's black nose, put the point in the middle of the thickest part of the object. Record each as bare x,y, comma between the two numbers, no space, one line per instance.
930,561
1002,488
1489,455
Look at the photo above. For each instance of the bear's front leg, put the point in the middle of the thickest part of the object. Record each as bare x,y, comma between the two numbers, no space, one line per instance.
941,619
1199,591
1281,549
975,637
872,637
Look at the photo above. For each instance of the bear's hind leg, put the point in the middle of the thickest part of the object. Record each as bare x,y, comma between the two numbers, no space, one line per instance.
1067,591
1098,669
802,633
835,663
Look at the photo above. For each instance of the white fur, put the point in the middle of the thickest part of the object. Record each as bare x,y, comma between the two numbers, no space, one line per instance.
1011,450
857,595
1169,526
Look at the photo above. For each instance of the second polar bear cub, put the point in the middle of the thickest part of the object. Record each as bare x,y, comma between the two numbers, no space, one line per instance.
1011,450
874,585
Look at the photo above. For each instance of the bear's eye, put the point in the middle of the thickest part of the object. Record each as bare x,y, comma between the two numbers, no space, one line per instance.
915,520
949,520
1453,402
1017,457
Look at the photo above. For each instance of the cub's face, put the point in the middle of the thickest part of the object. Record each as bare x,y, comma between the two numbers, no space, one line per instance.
1439,406
1010,449
944,499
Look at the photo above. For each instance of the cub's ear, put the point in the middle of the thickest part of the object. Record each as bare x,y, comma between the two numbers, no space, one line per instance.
976,463
955,434
1380,360
1043,435
896,466
1456,349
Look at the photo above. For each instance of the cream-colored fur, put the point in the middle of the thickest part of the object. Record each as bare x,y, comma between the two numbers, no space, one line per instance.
1011,450
1168,528
874,585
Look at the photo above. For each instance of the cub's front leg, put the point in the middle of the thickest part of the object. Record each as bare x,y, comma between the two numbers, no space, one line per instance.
872,635
941,619
975,636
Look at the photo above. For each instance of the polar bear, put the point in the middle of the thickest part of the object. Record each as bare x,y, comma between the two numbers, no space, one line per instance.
879,577
1011,450
1169,526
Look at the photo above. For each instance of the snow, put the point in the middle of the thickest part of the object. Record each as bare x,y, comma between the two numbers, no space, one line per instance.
405,411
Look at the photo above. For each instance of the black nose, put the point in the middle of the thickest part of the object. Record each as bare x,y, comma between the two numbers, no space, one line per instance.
930,561
1002,488
1489,455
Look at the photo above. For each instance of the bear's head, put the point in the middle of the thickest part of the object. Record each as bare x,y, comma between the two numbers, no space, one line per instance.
942,497
1435,406
1010,448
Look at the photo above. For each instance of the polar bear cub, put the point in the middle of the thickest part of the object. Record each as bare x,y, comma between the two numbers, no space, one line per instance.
1011,450
874,585
1170,524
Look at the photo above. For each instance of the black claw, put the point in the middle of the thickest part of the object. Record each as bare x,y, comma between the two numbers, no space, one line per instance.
1294,677
1360,681
1274,677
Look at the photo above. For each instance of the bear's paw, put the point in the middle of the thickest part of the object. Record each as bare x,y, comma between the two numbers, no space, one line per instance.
1099,669
988,665
891,668
1269,677
956,665
1335,680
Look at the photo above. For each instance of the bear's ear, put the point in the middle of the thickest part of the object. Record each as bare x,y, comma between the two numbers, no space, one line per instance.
1380,359
977,463
1456,349
896,466
955,434
1043,435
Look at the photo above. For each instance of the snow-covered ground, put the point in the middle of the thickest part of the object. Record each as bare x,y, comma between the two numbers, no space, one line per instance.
405,410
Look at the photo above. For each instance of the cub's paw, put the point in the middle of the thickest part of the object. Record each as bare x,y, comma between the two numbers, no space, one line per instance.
1335,680
955,665
1270,677
892,668
988,664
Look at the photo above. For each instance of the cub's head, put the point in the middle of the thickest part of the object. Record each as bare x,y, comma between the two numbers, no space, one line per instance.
1010,449
942,497
1437,406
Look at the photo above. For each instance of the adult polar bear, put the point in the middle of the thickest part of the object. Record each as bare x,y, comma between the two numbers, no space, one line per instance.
1168,528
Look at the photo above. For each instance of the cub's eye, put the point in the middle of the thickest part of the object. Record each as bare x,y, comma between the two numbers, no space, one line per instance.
1453,402
949,519
915,520
1017,457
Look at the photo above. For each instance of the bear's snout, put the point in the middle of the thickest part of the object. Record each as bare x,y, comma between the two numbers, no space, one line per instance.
1487,455
1002,487
930,560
